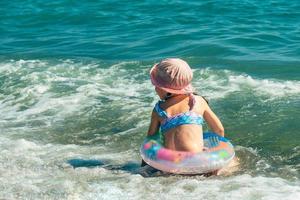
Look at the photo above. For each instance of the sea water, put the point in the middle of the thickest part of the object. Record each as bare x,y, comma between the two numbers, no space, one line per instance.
76,99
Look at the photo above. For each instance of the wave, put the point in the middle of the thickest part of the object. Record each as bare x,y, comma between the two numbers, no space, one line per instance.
220,83
31,88
33,170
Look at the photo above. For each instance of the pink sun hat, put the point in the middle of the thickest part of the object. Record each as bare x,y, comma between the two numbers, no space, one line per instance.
172,75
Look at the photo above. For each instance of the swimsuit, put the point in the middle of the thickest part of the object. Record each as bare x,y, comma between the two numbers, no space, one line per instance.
170,122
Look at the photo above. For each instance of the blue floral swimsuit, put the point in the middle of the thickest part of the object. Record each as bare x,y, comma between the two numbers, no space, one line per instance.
170,122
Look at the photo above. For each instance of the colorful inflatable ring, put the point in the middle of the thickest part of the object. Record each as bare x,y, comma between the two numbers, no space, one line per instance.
219,152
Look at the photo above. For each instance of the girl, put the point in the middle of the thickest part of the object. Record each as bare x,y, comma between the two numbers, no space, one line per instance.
180,114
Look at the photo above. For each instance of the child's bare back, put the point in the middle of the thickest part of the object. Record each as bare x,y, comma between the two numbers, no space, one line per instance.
187,137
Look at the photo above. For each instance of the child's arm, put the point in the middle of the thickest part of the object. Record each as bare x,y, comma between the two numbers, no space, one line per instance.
213,121
154,124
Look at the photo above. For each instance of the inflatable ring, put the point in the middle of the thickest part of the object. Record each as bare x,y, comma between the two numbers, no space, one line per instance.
217,154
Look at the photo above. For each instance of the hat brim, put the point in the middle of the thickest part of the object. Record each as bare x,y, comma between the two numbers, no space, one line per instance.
186,90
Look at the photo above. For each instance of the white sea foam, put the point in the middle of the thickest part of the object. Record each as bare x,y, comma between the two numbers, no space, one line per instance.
117,82
238,187
220,83
32,170
38,92
274,88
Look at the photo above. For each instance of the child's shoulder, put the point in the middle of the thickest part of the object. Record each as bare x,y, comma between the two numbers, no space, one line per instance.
201,104
201,99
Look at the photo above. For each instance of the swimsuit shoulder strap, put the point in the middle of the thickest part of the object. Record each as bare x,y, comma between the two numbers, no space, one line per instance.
160,111
192,101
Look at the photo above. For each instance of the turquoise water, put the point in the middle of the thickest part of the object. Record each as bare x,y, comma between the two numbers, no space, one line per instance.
74,86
